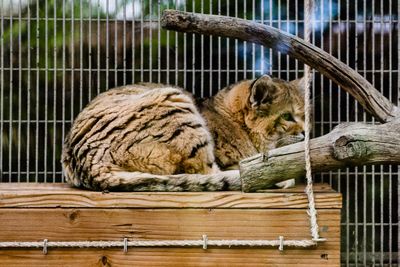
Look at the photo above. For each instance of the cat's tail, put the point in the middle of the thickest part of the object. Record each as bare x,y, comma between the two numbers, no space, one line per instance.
139,182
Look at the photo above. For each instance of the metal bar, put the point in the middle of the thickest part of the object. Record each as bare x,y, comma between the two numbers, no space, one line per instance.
382,52
54,163
90,53
116,45
10,129
2,108
373,120
210,56
98,47
141,40
19,91
176,51
63,93
193,55
390,215
159,42
184,53
107,44
133,41
201,56
124,44
28,111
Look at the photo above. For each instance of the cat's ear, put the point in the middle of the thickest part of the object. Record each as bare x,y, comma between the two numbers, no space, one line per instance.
261,91
299,84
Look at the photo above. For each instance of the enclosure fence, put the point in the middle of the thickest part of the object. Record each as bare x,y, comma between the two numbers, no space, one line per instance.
57,55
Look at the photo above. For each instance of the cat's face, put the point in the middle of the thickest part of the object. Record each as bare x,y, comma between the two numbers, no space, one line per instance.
276,111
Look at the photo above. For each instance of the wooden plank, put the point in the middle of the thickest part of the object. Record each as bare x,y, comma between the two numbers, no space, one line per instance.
150,224
59,195
158,224
170,257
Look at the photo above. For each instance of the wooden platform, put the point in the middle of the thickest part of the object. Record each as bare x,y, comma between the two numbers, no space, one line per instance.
33,212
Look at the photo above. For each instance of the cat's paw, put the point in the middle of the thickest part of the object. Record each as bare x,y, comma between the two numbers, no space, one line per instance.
286,184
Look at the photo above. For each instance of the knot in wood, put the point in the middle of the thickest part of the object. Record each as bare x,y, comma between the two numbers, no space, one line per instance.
347,148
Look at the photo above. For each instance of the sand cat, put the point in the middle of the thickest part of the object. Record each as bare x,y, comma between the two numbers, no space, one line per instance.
153,137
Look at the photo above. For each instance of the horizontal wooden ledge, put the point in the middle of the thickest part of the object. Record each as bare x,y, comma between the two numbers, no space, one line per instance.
27,195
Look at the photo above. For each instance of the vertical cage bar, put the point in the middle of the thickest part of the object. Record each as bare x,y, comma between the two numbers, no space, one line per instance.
228,43
133,41
382,52
193,55
116,44
356,119
37,94
124,44
167,53
28,104
253,46
210,57
201,55
236,45
80,55
364,119
141,41
46,90
244,44
176,52
55,90
19,92
98,48
107,45
219,49
185,54
63,62
90,52
159,42
2,108
373,121
150,44
11,92
398,103
390,215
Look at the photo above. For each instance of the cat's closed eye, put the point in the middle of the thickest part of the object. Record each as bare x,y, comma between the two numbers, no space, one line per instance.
287,117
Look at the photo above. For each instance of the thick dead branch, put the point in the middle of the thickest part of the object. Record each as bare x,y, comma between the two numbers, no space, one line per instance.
347,145
374,102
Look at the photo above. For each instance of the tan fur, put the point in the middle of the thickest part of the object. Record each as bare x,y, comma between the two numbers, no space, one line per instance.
151,137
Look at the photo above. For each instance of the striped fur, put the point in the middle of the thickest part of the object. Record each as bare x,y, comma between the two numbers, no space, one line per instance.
152,137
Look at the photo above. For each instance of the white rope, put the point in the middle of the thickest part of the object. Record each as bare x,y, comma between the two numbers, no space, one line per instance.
308,15
125,243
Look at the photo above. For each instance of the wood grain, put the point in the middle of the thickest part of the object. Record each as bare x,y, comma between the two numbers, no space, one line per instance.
148,224
56,212
350,144
171,257
59,195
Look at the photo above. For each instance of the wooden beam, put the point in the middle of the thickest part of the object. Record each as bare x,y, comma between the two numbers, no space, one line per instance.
60,195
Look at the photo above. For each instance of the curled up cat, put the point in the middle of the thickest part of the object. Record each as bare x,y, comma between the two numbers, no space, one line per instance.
154,137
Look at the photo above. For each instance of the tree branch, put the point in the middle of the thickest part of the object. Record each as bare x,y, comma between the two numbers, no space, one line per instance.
347,145
374,102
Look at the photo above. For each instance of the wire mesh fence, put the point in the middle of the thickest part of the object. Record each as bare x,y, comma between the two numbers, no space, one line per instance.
56,55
